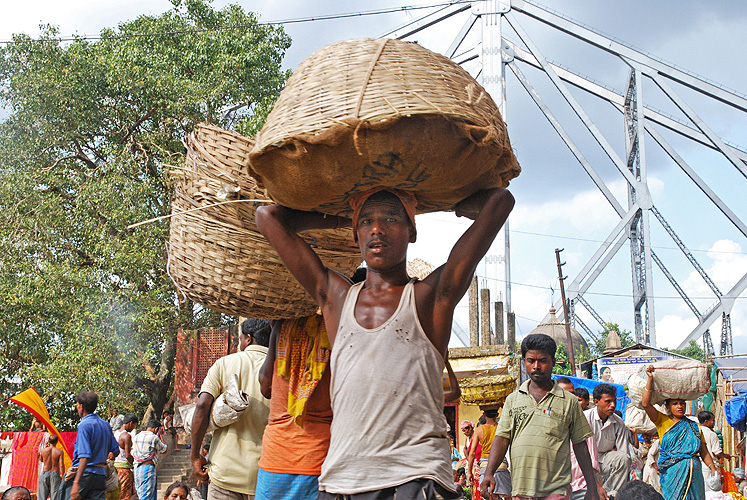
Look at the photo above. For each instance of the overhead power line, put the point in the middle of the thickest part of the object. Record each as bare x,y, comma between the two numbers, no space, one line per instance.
328,17
586,240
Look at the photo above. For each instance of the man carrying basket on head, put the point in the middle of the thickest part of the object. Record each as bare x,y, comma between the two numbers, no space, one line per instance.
389,339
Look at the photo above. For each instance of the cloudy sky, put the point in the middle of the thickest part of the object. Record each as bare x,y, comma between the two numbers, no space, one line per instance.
557,204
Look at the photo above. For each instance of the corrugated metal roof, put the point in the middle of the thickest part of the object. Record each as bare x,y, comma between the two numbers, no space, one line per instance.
627,351
733,368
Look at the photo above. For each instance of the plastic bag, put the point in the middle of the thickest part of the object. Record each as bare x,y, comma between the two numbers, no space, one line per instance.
735,410
231,404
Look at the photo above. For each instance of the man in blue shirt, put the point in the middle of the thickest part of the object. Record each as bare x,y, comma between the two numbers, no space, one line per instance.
86,480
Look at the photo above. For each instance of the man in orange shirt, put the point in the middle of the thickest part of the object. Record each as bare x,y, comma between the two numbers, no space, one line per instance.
296,438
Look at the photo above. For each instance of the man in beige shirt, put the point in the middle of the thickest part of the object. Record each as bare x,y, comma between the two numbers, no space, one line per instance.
235,448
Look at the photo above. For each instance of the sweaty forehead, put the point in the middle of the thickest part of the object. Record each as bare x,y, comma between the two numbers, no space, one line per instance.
388,203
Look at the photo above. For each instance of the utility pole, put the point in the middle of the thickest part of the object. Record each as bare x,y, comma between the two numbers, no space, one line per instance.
571,357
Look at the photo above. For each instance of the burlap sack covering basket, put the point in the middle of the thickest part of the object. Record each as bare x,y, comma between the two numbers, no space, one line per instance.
364,113
217,257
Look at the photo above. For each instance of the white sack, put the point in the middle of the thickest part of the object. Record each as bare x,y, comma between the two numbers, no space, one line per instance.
637,419
229,405
673,379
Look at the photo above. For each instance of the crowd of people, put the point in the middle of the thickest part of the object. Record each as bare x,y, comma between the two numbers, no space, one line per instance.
348,404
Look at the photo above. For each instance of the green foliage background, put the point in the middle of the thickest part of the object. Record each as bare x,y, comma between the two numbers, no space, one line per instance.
92,128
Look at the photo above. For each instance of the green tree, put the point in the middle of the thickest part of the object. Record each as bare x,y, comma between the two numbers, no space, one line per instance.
562,363
92,128
693,350
597,347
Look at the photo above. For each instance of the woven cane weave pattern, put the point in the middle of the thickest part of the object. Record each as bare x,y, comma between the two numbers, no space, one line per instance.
217,257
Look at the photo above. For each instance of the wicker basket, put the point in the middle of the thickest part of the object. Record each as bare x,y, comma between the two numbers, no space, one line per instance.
364,113
487,390
217,257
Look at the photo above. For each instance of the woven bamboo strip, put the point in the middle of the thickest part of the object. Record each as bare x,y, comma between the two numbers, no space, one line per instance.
364,113
217,257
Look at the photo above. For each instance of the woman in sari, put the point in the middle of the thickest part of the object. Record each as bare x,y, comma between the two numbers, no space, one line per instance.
680,442
469,432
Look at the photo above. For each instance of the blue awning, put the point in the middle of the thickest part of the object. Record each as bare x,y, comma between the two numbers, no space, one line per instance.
734,368
622,397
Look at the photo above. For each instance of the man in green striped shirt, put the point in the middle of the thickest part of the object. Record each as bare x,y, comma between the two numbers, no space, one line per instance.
540,421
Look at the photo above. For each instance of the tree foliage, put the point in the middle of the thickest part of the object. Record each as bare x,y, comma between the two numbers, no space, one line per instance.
92,128
562,363
597,347
693,350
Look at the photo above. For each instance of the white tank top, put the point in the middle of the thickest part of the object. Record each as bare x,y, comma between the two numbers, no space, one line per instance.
122,457
387,398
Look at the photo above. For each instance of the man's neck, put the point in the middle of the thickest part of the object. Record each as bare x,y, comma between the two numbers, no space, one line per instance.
602,416
396,276
543,386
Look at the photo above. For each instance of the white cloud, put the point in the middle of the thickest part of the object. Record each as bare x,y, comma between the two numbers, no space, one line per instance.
729,264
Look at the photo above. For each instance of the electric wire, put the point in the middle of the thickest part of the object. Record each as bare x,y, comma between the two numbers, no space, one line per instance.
328,17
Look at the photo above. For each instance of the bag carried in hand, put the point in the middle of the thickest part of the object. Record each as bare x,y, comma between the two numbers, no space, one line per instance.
227,407
112,478
230,405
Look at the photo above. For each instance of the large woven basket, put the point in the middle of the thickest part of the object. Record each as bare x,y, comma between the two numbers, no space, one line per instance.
487,390
217,257
364,113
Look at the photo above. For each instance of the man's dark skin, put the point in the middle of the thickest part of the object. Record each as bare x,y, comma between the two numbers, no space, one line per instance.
539,365
20,493
82,461
51,457
384,233
711,423
605,406
265,373
125,441
201,419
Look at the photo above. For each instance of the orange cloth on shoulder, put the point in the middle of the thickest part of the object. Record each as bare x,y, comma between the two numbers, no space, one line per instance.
303,354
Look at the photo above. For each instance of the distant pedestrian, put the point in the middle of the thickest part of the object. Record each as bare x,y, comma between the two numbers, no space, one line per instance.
168,426
582,394
177,491
145,449
125,462
540,421
86,479
17,493
117,420
51,476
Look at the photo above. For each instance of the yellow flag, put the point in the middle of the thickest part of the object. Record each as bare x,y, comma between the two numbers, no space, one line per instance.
31,400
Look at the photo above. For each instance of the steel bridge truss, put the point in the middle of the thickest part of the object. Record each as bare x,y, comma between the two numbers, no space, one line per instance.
494,53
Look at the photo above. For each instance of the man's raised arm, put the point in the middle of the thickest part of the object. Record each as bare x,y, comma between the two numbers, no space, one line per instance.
268,367
280,226
489,209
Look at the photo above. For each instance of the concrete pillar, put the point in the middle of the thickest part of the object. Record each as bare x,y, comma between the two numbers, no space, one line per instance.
485,316
474,318
511,329
499,322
